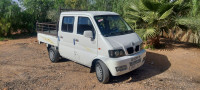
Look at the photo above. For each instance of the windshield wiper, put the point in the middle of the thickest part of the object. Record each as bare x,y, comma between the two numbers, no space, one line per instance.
129,31
109,34
118,33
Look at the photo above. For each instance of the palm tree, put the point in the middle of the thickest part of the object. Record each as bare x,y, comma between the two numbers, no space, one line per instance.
150,16
192,20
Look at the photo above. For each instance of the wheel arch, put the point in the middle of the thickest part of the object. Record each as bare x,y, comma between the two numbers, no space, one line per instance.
49,46
92,68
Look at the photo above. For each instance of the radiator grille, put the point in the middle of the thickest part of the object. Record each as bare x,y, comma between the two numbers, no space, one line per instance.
130,50
137,48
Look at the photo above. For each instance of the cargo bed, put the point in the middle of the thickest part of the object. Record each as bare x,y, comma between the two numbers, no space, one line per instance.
47,33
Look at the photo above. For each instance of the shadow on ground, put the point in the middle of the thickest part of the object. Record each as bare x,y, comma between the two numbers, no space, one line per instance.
19,36
63,60
170,45
154,65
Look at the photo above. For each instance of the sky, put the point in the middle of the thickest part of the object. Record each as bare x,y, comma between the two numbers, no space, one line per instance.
15,0
19,4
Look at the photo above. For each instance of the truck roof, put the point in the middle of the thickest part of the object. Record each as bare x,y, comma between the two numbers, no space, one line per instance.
91,13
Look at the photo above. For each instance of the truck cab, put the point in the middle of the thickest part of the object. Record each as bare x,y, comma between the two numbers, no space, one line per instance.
100,40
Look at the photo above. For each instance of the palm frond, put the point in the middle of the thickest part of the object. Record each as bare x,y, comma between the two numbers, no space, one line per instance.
166,14
149,33
150,17
178,2
191,22
151,5
138,5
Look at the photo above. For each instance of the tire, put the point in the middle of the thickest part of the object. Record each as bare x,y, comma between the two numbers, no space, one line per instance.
102,72
53,54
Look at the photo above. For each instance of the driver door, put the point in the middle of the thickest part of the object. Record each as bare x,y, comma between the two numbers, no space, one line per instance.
85,48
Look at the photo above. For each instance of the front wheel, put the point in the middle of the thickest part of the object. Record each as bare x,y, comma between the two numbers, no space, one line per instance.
102,72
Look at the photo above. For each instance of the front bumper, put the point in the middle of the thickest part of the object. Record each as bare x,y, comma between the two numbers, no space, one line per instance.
122,65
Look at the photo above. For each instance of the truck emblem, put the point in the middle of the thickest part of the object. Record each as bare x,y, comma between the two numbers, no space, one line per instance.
133,44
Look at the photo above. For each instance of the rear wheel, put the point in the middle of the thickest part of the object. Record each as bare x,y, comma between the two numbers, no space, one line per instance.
53,54
102,72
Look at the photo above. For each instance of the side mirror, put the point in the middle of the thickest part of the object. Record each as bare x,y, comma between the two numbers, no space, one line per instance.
88,34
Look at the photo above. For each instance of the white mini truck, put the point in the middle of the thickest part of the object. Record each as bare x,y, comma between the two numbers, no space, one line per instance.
100,40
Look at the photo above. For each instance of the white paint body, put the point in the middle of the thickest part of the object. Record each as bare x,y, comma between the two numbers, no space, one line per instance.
87,50
48,39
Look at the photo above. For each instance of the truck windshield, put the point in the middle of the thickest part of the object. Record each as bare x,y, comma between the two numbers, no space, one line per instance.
112,25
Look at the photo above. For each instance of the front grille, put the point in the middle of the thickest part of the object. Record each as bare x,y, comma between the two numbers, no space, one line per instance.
130,50
137,48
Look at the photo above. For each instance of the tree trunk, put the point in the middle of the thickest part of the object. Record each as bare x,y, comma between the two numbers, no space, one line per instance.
155,41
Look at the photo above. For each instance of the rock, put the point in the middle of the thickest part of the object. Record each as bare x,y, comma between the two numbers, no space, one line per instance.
93,86
129,80
5,88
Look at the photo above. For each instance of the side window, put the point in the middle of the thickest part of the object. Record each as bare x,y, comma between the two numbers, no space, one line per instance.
84,24
68,24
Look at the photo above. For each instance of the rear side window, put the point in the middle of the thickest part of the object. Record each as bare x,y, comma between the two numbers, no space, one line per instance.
84,24
68,24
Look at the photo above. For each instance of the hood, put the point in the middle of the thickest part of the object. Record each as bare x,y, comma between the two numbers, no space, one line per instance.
124,41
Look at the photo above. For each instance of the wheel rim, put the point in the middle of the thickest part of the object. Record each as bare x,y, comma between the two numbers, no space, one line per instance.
51,55
99,72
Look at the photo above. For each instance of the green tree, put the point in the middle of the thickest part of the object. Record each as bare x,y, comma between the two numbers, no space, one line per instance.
119,6
38,8
4,27
76,4
100,5
9,21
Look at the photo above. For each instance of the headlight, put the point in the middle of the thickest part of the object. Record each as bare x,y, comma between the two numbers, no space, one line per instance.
121,53
116,53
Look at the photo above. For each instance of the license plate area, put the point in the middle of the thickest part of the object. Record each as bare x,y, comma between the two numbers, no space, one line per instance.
135,60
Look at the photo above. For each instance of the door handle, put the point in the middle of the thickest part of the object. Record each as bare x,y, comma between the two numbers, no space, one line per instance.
76,40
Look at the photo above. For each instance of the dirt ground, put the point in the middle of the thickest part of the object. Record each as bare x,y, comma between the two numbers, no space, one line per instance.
24,64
